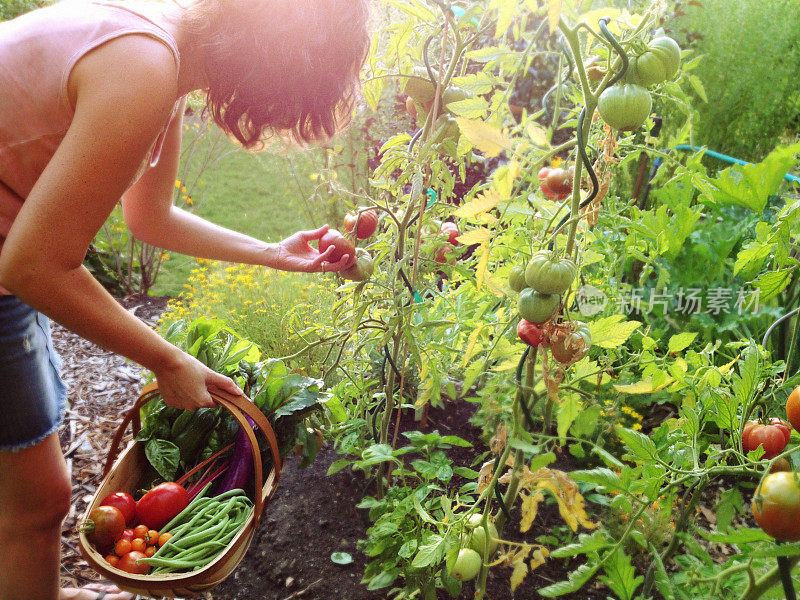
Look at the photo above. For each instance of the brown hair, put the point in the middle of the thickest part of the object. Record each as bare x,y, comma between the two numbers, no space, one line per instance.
286,67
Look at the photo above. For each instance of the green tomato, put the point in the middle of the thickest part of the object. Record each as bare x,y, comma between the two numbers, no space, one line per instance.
516,279
535,307
419,86
467,565
625,107
477,540
776,506
646,70
362,269
454,94
667,49
548,276
446,128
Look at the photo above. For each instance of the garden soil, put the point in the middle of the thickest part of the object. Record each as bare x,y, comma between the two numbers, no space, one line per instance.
311,515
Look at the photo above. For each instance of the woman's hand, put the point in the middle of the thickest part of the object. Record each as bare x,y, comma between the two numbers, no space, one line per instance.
185,383
295,254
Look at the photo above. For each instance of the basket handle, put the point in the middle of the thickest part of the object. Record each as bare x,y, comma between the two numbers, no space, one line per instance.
237,405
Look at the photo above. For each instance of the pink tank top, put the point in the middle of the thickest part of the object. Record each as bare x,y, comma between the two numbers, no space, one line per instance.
37,53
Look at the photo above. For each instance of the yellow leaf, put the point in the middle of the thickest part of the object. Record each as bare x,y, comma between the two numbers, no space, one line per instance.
530,507
538,135
469,350
480,204
486,218
494,286
485,475
643,387
539,556
553,13
483,261
520,571
475,236
727,367
485,137
610,332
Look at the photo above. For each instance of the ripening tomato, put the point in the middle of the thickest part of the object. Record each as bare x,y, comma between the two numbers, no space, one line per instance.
781,464
124,502
569,345
367,222
773,437
362,269
161,504
559,181
341,246
411,108
776,506
129,564
128,535
793,408
441,253
530,333
450,229
104,527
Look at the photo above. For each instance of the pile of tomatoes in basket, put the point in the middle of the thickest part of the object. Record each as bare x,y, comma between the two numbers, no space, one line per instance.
125,531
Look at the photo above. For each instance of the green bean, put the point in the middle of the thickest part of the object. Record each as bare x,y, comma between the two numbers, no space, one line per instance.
203,534
189,508
231,493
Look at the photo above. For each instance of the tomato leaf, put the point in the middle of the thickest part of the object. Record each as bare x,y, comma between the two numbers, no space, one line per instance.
485,137
639,444
577,579
611,332
680,341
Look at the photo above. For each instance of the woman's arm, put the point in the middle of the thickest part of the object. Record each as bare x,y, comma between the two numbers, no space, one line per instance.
152,218
124,93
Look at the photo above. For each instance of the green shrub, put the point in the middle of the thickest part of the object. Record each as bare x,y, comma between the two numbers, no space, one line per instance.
13,8
749,70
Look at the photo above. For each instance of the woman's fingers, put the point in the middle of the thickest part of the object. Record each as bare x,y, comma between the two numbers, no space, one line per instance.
345,262
315,234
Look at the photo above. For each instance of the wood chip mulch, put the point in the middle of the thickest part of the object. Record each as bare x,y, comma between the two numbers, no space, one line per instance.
102,386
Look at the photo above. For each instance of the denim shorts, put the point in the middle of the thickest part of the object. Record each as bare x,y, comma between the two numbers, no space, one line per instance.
32,394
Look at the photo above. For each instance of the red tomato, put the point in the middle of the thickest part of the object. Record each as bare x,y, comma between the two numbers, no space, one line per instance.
773,437
161,504
559,181
543,173
149,551
112,559
450,229
151,539
367,223
441,251
164,538
128,564
122,547
530,333
341,246
104,527
138,545
140,531
128,535
793,408
124,502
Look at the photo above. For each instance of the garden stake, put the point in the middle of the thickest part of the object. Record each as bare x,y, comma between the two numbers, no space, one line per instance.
785,568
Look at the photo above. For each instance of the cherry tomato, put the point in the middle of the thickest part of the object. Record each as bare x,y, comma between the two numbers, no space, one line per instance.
140,531
341,246
776,506
773,437
793,408
128,563
138,545
104,527
161,504
367,223
128,535
124,502
151,539
150,551
164,538
530,333
112,559
122,547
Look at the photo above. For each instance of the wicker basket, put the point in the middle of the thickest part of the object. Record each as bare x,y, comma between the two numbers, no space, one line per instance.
124,475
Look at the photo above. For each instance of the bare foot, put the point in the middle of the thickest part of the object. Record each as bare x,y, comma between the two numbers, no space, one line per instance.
92,592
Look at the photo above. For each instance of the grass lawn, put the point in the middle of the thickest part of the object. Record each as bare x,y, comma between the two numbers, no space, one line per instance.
261,194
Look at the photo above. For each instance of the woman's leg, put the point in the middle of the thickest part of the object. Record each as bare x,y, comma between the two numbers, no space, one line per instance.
35,494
